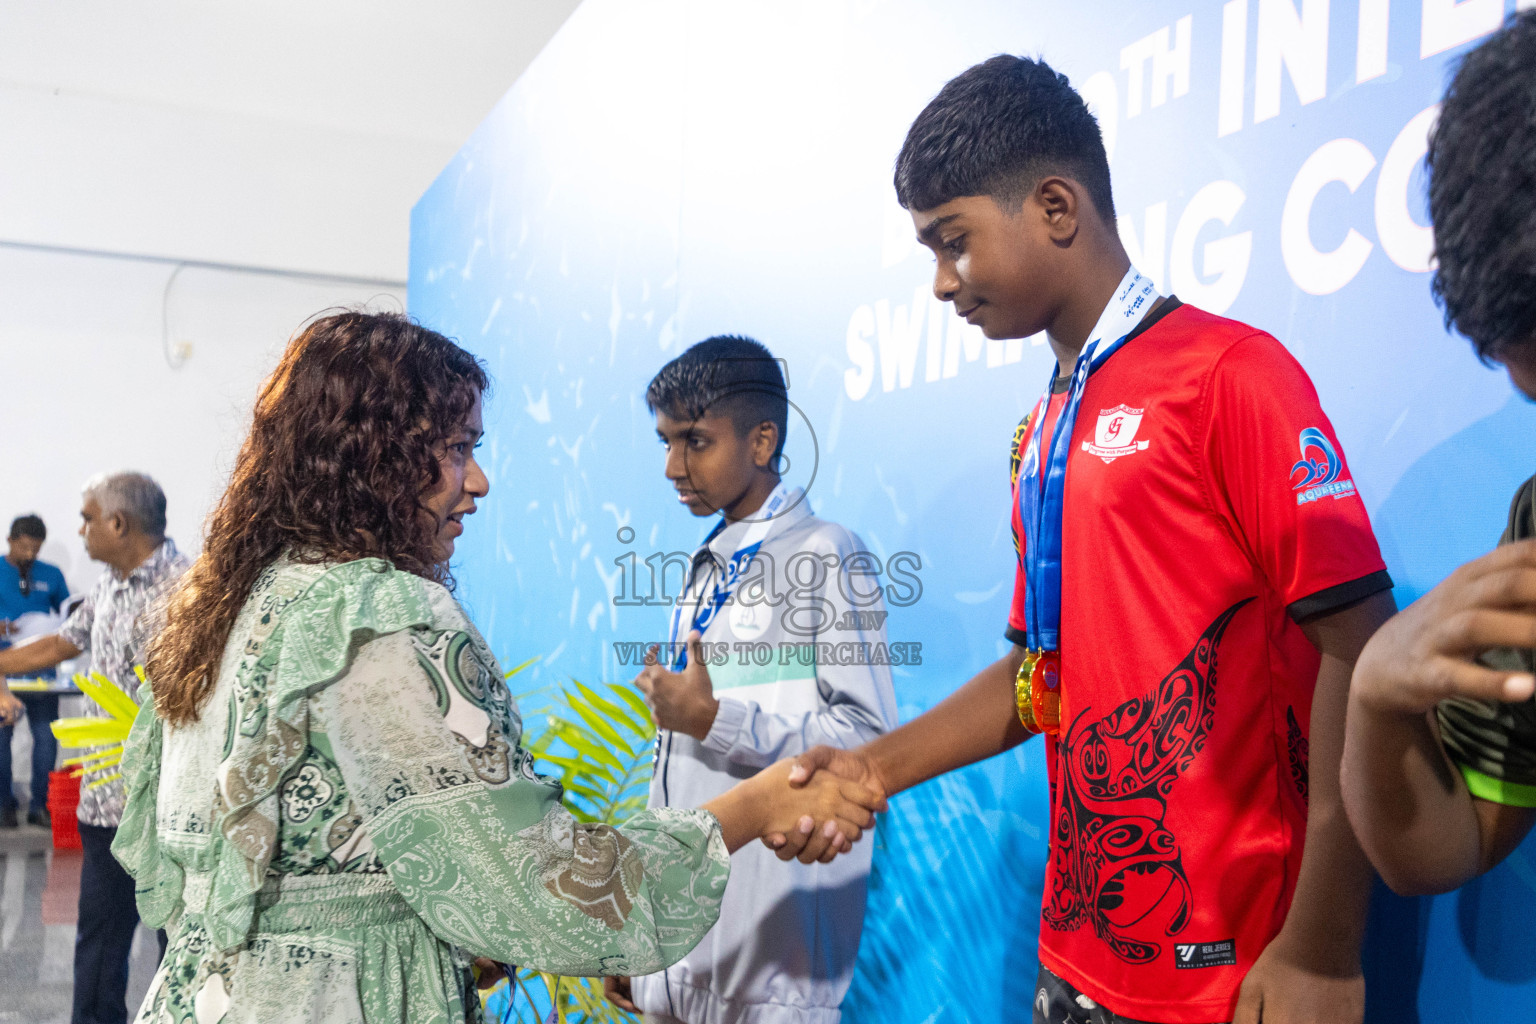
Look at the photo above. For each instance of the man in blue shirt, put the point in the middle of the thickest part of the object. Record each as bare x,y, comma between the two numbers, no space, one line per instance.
27,585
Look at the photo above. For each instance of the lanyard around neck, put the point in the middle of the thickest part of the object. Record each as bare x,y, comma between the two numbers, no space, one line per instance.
1042,485
728,576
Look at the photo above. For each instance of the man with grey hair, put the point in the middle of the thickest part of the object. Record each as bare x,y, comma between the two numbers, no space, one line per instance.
123,524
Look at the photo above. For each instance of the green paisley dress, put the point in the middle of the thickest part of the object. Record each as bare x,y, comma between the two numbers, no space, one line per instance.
352,821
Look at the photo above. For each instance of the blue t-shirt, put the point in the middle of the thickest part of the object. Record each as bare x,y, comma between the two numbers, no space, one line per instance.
45,590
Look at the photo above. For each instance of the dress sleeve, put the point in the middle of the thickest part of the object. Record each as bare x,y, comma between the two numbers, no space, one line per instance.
158,879
1494,744
481,846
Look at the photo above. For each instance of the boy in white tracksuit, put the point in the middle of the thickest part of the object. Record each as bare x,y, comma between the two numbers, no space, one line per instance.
787,610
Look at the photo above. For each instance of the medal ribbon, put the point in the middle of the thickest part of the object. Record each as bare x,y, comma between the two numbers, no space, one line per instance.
725,582
1041,501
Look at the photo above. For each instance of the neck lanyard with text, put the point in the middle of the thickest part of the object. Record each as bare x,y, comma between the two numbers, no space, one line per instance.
1042,491
726,580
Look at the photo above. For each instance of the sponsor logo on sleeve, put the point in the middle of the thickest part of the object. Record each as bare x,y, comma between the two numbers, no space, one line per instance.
1316,474
1115,435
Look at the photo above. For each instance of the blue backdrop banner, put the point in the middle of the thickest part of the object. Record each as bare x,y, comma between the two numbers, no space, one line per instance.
672,169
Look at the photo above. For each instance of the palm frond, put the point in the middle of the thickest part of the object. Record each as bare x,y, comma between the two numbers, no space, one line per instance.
518,668
637,725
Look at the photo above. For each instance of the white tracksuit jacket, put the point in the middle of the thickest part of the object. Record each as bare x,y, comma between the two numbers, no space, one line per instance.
784,947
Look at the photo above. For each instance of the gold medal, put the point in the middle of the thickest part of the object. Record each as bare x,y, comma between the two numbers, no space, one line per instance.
1037,692
1023,691
1045,692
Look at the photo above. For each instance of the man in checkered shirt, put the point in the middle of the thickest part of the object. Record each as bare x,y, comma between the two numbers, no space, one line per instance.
123,525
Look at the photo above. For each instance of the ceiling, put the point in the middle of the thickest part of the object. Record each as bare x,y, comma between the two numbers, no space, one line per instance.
229,131
399,68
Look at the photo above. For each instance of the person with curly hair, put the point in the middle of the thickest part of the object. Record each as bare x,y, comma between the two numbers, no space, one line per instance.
329,808
1440,751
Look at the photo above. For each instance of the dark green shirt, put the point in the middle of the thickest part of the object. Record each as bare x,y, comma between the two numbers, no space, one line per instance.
1494,744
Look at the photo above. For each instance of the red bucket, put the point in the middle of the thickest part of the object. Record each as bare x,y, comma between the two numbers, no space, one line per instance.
63,802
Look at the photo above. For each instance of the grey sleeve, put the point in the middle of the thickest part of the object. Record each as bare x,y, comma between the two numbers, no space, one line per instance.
77,628
857,701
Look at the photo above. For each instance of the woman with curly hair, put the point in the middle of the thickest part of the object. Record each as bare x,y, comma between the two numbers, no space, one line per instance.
329,809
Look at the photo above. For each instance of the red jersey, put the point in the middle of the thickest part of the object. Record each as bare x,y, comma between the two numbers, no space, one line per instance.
1208,509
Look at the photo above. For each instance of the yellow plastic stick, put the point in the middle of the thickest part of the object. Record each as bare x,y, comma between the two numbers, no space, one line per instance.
89,731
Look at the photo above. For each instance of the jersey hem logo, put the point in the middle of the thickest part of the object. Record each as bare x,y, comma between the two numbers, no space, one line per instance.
1115,435
1195,955
1319,469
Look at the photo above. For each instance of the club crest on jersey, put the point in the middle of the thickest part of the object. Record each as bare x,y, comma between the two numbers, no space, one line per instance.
1115,435
1316,475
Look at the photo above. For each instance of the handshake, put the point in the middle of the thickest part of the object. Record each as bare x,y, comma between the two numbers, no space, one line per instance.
809,808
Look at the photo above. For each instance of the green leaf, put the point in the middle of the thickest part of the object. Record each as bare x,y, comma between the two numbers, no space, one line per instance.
100,757
556,721
586,746
643,729
626,809
632,697
601,727
575,767
514,671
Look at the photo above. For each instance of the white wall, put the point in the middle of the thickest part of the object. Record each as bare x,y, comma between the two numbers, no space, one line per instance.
89,387
288,135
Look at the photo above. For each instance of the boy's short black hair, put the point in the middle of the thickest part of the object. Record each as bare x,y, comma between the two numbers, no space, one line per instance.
28,526
728,375
996,130
1482,192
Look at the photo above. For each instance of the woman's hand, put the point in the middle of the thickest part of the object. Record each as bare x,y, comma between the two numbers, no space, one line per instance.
828,812
854,765
832,810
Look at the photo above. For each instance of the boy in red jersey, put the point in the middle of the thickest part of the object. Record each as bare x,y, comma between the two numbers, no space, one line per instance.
1196,578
